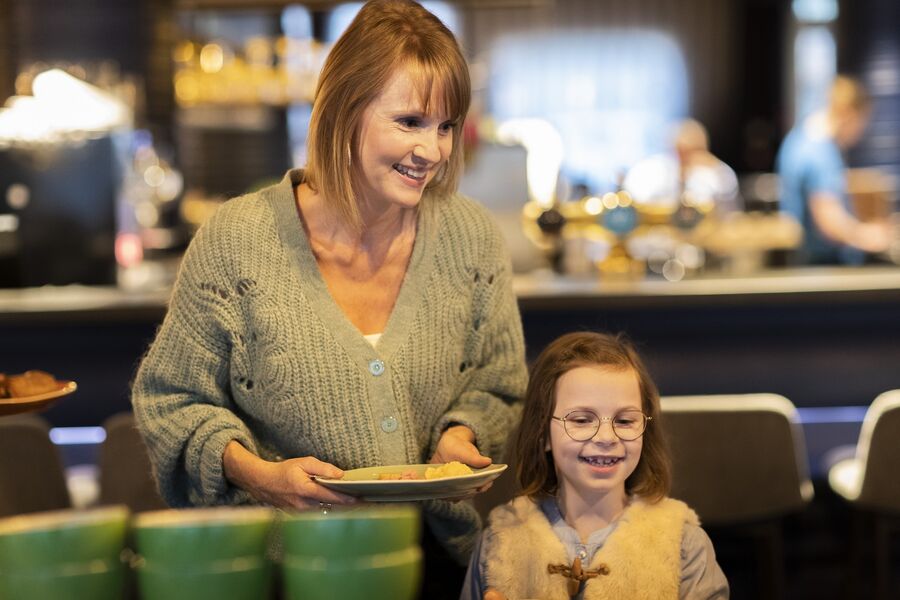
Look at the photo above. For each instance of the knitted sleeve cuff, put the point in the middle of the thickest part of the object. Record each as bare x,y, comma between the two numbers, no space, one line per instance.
491,428
213,488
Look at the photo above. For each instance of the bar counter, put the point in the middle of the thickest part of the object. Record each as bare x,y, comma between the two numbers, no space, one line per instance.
823,337
540,291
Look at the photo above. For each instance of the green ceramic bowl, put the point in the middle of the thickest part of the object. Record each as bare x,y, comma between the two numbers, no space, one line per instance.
202,535
62,555
386,576
236,579
351,532
216,553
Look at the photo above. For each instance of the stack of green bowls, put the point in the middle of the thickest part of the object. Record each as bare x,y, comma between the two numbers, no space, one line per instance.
63,555
370,553
204,553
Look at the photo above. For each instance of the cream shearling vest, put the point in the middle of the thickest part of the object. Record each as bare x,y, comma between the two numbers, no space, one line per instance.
643,553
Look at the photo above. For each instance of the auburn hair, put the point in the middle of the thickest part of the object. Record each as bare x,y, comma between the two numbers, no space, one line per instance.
385,36
536,472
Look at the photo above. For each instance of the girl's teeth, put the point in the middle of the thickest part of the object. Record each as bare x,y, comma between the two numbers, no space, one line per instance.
603,462
409,172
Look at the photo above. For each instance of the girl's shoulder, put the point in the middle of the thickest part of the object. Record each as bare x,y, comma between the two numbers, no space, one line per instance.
665,507
515,512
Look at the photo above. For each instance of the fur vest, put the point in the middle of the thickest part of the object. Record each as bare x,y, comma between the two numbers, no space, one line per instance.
641,558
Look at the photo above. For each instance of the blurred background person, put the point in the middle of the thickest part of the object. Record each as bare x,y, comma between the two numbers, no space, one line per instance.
813,179
660,180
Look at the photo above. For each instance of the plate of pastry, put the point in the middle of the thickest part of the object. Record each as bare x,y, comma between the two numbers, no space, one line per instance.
405,483
31,391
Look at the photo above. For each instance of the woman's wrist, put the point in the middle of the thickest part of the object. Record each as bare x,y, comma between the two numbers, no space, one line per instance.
461,431
240,465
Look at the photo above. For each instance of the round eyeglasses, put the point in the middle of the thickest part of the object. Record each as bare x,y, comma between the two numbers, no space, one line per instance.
583,425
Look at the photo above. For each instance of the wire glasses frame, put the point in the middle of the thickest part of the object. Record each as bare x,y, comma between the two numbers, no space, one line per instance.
583,425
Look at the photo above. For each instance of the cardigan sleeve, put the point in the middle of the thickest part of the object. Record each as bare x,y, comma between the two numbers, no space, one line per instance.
180,395
489,404
701,576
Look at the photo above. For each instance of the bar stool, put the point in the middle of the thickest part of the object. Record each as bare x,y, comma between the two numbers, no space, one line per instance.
32,478
740,462
126,476
869,482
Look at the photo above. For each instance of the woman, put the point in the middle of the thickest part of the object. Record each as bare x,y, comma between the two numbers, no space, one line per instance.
357,313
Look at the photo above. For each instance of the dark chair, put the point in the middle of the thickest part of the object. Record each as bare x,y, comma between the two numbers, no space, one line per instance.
869,482
126,476
32,477
740,462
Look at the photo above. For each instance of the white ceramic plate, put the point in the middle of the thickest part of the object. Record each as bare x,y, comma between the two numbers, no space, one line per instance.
365,484
11,406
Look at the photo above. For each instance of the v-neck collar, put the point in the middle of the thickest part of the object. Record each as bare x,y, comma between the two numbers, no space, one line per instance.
314,287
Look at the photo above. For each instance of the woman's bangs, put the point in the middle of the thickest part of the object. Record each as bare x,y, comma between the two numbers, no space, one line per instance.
440,90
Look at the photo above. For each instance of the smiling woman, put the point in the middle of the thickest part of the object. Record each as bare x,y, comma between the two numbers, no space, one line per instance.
358,314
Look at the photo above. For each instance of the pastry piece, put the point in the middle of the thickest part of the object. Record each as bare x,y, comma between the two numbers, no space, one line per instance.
30,383
4,393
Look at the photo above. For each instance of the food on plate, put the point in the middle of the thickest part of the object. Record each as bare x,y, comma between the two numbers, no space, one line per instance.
407,474
29,383
450,469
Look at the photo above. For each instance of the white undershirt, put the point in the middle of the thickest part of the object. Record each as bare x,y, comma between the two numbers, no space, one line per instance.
373,338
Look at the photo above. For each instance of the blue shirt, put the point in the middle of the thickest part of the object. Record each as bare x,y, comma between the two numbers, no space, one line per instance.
808,164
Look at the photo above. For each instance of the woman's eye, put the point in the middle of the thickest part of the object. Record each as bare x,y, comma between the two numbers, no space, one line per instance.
447,127
409,122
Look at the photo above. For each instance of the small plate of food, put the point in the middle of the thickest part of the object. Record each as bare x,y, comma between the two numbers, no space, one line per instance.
405,483
31,391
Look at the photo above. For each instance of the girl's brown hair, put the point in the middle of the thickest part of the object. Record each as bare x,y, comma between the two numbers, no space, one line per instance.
386,35
535,470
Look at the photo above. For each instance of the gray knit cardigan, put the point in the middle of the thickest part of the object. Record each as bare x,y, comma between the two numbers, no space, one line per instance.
254,349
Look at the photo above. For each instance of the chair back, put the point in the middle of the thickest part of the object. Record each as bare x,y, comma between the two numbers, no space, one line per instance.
737,458
32,477
878,450
126,476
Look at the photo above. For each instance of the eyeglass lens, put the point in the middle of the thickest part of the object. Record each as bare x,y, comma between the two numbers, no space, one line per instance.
583,425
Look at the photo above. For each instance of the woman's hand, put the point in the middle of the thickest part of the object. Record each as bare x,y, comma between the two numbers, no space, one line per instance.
285,484
458,443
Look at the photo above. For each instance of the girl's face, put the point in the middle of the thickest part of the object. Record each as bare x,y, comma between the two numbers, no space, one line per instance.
599,466
401,148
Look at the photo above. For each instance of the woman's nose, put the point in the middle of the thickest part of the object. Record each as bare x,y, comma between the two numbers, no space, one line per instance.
428,147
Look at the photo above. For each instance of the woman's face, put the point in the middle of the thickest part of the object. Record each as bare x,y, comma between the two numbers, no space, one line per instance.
600,465
401,148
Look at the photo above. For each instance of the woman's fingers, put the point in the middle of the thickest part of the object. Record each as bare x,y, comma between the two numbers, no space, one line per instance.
313,466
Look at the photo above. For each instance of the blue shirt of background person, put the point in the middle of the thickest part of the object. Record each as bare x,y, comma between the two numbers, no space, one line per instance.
810,164
814,182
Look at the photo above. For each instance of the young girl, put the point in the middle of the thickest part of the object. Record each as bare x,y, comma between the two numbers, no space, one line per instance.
594,520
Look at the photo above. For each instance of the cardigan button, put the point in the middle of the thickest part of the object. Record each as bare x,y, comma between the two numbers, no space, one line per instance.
376,367
389,424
